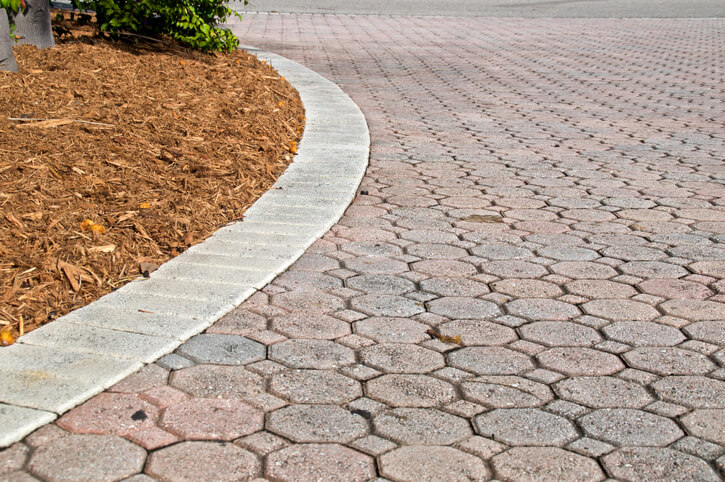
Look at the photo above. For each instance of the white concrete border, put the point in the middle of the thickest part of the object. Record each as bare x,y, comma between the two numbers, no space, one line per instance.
60,365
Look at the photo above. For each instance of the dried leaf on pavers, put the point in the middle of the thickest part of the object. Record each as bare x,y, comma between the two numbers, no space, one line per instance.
483,218
444,338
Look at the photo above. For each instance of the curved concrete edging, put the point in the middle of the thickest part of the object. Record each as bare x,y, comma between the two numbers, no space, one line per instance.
60,365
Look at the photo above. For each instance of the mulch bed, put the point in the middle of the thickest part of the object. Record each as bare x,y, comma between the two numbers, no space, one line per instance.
115,157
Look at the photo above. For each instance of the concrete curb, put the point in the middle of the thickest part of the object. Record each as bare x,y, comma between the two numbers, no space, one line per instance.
59,366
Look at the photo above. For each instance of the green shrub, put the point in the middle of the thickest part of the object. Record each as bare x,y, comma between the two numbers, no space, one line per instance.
191,22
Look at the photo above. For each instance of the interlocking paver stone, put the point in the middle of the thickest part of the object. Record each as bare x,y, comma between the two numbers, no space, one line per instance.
110,413
386,305
211,381
87,457
558,333
317,423
463,307
650,463
668,361
407,390
314,386
329,462
477,332
392,330
211,419
546,463
430,464
420,426
643,333
691,391
401,358
222,349
603,392
706,424
542,309
527,288
709,331
525,426
620,310
196,460
454,287
695,310
506,392
630,427
380,283
580,361
310,325
318,354
490,361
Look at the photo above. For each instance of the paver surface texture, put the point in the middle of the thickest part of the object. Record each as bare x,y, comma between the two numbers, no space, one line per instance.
551,191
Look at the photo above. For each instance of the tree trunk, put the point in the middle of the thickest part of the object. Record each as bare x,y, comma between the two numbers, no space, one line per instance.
33,24
7,59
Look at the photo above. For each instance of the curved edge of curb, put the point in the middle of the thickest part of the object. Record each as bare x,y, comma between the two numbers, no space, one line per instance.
60,365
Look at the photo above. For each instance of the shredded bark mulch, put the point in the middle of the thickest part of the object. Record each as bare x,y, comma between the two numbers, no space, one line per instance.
115,157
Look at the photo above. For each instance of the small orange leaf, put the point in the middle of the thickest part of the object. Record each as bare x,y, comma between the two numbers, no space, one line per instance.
98,229
280,104
144,206
6,338
293,147
86,224
182,62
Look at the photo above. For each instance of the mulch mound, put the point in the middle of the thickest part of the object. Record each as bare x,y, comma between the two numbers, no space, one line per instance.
115,157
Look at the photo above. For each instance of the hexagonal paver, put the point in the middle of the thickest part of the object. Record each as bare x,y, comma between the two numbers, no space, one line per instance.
328,462
603,392
212,381
318,354
310,325
315,386
490,361
392,330
527,288
317,423
506,392
514,269
420,426
380,283
436,251
643,333
413,464
464,307
401,358
650,463
558,333
709,331
620,310
410,390
706,424
546,463
222,349
311,301
695,310
653,269
675,288
478,332
445,268
112,414
196,460
238,322
583,270
87,457
580,361
211,419
525,426
13,458
542,309
626,426
454,287
305,280
691,391
386,305
669,361
598,288
500,252
375,265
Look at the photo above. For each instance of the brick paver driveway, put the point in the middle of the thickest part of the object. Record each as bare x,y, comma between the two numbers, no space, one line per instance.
551,192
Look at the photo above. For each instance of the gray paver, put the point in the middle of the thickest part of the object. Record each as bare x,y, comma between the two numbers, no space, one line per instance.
525,426
222,350
546,463
656,463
